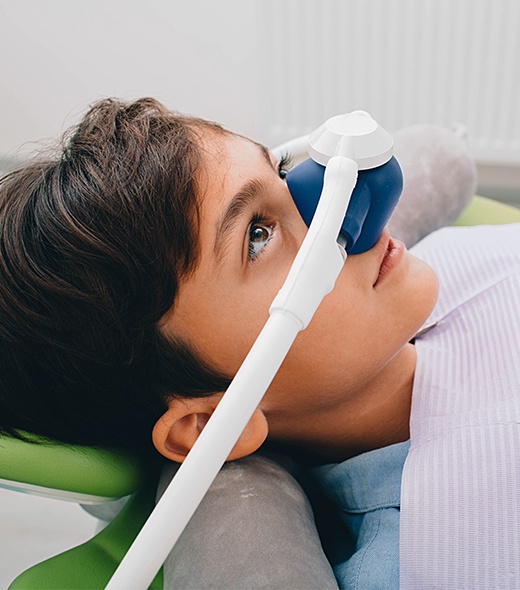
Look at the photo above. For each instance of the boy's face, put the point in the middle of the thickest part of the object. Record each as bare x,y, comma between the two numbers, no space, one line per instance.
250,232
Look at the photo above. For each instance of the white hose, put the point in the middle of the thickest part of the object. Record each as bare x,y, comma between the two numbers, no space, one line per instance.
195,475
311,276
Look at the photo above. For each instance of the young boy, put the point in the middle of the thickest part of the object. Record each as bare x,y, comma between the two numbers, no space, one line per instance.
137,267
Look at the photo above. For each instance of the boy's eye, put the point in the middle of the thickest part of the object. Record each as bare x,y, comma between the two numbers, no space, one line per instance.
259,235
283,166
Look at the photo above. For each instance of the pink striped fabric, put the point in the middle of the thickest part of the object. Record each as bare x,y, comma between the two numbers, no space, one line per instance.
460,499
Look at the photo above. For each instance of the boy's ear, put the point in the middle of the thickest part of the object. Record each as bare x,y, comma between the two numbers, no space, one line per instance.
179,427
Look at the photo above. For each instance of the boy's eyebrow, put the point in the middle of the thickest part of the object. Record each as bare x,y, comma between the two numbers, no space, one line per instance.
247,194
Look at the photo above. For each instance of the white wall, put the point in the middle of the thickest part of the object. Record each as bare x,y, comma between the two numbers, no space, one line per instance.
56,56
269,68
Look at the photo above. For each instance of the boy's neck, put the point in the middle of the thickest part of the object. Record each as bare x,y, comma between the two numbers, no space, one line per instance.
378,418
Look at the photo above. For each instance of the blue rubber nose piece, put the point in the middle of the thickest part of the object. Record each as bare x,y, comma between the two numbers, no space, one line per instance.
373,200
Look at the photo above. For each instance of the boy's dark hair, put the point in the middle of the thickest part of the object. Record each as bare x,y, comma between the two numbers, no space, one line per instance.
93,244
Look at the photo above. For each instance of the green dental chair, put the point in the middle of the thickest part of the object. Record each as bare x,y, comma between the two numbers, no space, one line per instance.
88,475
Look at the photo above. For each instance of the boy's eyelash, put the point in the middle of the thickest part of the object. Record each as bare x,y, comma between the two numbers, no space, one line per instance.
284,164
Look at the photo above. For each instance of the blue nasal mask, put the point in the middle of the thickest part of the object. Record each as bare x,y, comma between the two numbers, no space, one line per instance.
379,181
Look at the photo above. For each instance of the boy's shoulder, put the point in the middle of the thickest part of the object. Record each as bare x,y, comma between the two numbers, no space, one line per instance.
366,494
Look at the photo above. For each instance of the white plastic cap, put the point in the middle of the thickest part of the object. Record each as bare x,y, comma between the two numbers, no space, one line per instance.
353,135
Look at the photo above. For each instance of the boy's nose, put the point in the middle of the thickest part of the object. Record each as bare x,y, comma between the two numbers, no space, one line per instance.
373,200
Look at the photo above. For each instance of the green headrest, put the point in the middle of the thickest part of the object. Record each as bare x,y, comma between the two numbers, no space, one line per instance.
83,470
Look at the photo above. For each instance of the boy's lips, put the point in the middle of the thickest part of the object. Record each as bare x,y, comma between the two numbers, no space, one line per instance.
390,254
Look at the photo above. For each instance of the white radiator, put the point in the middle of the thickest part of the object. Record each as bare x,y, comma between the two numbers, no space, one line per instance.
404,61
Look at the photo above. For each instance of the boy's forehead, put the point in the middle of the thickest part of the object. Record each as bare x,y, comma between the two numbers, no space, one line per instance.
222,145
236,171
229,161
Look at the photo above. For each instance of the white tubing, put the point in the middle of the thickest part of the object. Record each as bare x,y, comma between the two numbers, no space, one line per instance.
312,275
179,501
295,147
